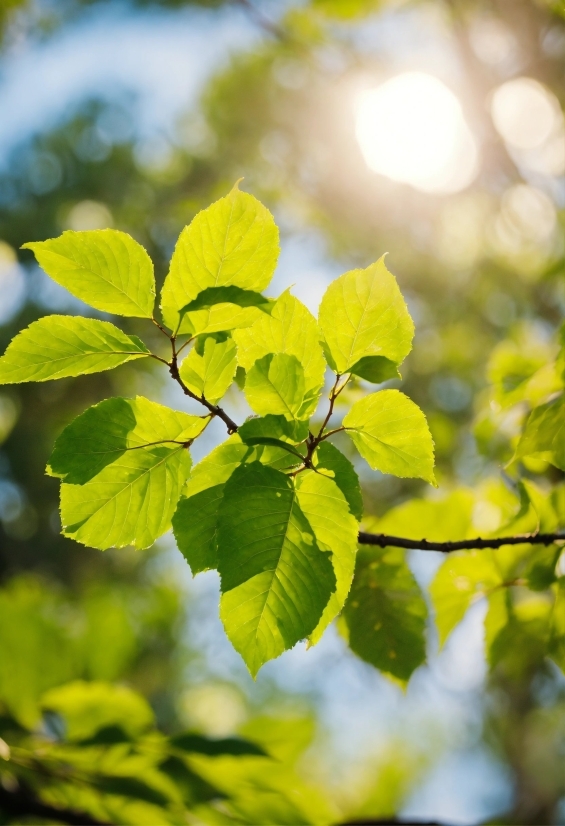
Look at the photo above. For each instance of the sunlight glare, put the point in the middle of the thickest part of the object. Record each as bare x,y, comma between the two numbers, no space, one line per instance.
412,129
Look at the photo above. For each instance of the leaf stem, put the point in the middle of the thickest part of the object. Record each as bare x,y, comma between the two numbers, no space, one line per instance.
314,441
156,323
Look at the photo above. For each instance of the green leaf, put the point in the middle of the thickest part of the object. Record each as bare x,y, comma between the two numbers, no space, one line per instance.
276,582
105,432
195,525
290,329
375,369
211,373
295,432
196,519
130,787
544,434
133,498
275,384
386,613
439,520
59,346
392,434
218,309
363,314
461,579
326,509
105,268
36,651
234,242
89,707
557,636
329,458
518,631
271,442
197,744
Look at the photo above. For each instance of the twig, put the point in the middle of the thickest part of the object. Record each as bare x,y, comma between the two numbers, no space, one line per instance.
214,409
382,540
314,441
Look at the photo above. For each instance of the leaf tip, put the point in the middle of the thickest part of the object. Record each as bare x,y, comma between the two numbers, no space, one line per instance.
235,187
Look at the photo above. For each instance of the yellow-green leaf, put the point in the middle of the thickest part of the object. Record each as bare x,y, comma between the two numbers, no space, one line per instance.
392,434
105,268
59,346
363,314
234,242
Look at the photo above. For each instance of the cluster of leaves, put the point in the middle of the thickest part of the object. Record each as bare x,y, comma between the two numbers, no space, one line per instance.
276,507
97,757
524,585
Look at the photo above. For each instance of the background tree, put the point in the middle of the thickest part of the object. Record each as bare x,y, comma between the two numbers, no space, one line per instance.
484,284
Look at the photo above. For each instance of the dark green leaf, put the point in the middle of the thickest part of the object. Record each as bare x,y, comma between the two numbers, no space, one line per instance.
386,613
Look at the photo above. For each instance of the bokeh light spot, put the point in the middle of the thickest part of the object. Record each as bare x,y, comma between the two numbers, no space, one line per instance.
411,129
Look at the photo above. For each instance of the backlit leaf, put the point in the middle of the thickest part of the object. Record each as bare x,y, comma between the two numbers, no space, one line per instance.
195,522
211,373
58,346
234,242
275,384
105,268
105,432
463,578
331,462
276,582
326,509
544,434
363,314
89,707
223,308
133,498
277,427
392,434
290,329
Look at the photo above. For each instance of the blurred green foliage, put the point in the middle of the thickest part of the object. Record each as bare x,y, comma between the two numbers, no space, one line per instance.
486,356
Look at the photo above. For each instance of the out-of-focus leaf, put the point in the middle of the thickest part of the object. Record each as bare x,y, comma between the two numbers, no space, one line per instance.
284,738
198,744
89,707
544,434
386,613
462,578
35,652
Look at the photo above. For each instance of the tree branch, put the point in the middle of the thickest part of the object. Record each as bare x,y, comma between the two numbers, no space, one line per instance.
213,408
383,540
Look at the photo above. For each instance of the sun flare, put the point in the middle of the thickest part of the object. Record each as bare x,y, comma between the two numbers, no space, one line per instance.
412,129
